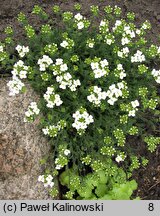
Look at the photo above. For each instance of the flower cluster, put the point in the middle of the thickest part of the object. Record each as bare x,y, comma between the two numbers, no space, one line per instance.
46,29
64,78
123,53
90,43
30,31
152,142
119,71
133,130
59,67
67,16
156,75
134,105
51,48
62,160
119,135
96,95
117,25
15,86
104,26
82,120
138,57
130,108
115,92
86,160
108,150
19,69
120,157
109,39
31,112
47,180
127,35
67,43
44,62
80,21
52,98
22,50
99,67
52,130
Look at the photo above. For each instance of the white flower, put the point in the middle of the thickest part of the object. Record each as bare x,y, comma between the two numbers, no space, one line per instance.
41,178
118,23
67,76
1,48
122,75
80,25
78,17
132,113
120,85
112,100
67,152
20,63
45,131
135,103
51,184
44,62
58,167
50,103
125,50
138,31
102,23
138,57
104,63
91,45
64,44
72,88
155,72
22,50
94,65
109,41
118,159
125,41
158,79
23,74
63,67
97,95
32,110
156,75
120,54
49,178
119,67
59,61
82,120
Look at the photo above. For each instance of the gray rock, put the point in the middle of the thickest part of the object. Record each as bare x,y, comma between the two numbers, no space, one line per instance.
22,145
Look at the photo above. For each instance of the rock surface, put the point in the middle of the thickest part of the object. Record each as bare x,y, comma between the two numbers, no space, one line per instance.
22,145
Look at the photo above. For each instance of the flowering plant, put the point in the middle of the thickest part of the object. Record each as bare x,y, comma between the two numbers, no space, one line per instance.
98,87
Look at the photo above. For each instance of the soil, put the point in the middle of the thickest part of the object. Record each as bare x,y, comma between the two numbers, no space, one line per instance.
148,178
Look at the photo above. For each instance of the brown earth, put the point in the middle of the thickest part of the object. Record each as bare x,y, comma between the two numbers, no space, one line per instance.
148,178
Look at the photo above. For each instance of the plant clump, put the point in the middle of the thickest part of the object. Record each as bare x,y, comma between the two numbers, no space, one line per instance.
98,88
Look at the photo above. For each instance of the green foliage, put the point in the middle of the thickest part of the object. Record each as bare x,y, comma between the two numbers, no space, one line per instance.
98,185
